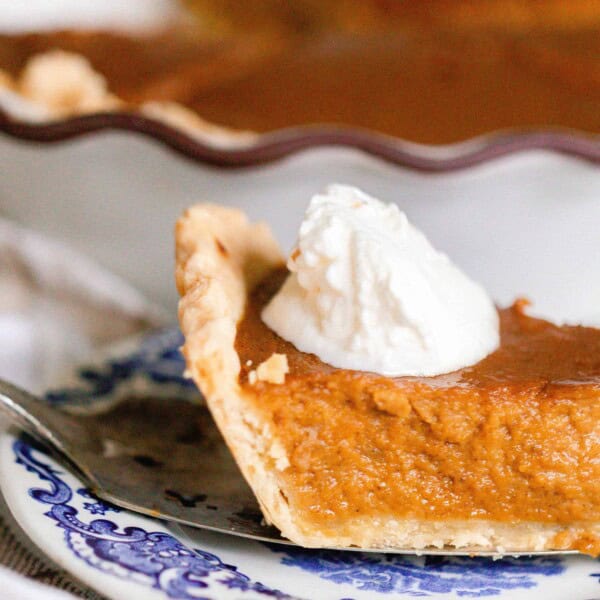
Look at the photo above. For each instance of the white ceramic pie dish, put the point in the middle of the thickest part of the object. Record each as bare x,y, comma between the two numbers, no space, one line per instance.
525,224
518,211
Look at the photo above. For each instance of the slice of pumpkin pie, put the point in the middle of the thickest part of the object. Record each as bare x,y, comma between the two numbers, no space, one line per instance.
373,396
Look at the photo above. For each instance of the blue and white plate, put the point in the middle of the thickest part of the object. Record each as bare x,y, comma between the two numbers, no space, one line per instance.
125,555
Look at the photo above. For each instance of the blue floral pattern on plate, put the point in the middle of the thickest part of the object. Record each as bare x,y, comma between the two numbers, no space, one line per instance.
423,576
156,362
159,560
155,558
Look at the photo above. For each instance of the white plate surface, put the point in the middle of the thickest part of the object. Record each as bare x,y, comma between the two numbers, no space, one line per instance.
526,224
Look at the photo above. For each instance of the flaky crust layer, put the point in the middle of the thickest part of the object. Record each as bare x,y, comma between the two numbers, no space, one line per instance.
220,257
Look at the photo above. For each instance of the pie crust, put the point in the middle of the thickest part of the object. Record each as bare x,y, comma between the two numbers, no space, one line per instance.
57,85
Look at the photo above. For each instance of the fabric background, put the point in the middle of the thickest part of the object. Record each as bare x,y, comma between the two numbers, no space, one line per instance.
56,308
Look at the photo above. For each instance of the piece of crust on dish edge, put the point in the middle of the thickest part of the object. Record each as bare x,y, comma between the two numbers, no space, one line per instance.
339,458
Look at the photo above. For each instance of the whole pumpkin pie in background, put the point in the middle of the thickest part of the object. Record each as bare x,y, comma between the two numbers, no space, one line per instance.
434,72
503,454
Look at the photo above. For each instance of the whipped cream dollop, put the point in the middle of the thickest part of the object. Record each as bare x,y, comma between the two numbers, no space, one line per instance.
367,291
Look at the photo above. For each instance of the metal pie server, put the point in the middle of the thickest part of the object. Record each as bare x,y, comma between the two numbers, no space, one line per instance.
160,457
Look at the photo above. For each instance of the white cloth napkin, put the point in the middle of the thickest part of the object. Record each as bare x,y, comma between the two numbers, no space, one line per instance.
56,307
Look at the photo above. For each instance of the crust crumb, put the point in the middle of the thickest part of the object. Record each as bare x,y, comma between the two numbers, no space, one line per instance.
272,370
66,83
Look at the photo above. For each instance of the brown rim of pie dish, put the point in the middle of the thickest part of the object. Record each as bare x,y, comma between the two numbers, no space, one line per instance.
272,146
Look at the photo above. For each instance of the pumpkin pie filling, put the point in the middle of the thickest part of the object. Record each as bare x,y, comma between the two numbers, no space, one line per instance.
514,438
436,74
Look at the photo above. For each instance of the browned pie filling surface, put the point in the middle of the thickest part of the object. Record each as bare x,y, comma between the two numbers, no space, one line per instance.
432,73
515,437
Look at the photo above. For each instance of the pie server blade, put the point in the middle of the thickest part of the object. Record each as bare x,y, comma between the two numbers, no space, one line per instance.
161,457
